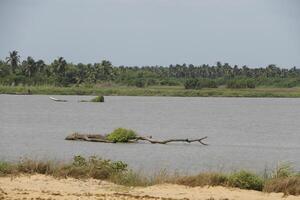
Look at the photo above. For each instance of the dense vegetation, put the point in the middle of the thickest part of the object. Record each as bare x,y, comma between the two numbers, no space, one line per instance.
30,72
282,179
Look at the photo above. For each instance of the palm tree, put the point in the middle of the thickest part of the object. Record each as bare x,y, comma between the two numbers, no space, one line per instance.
40,65
14,60
29,66
59,66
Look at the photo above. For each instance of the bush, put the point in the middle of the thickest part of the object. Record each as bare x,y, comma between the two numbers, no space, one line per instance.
152,81
287,185
246,180
140,82
241,83
93,167
79,161
31,166
98,99
170,82
121,135
200,83
5,168
282,171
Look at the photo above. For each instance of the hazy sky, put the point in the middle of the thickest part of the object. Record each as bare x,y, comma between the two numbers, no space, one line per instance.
150,32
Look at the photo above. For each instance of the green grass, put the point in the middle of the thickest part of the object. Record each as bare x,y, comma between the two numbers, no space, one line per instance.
178,91
118,172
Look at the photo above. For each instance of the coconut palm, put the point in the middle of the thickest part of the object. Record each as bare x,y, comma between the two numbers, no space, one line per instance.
59,66
14,60
29,67
40,65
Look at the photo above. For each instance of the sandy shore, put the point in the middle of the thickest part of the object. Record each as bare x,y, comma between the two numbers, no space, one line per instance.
40,187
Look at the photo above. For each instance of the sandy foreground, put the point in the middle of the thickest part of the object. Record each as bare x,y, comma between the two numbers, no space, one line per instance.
40,187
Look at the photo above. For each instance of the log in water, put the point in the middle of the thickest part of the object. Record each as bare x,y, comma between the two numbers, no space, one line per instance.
101,138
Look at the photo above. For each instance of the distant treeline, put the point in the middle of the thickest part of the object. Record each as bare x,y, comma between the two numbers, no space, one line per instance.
13,71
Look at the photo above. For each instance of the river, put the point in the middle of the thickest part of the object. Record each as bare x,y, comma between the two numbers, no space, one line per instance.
243,133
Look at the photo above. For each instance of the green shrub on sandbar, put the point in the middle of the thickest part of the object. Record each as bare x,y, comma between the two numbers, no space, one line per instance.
121,135
98,99
246,180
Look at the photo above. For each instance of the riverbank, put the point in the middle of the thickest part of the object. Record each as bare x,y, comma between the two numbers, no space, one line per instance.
47,187
280,180
153,91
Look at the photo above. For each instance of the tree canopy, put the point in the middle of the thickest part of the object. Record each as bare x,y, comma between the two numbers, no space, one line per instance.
62,73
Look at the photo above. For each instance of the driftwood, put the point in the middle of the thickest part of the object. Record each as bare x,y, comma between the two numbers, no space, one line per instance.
88,137
101,138
58,100
170,140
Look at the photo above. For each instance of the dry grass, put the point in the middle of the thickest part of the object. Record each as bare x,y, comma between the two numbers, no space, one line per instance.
287,185
203,179
81,167
281,180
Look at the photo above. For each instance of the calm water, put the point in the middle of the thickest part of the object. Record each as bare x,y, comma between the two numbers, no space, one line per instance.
251,133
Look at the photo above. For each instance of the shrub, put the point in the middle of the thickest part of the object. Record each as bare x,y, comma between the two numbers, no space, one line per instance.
241,83
282,171
170,82
200,83
98,99
79,161
191,84
152,81
94,167
140,82
121,135
246,180
287,185
203,179
31,166
5,168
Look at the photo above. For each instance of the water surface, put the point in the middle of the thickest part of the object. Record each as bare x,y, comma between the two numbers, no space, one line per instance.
251,133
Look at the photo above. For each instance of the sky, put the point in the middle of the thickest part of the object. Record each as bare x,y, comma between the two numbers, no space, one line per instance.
153,32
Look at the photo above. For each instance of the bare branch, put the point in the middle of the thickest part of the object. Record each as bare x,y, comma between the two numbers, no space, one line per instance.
101,138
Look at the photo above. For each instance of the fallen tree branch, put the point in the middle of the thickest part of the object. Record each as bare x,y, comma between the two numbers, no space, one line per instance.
88,137
170,140
101,138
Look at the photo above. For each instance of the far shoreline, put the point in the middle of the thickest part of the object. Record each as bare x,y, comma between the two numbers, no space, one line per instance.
163,91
